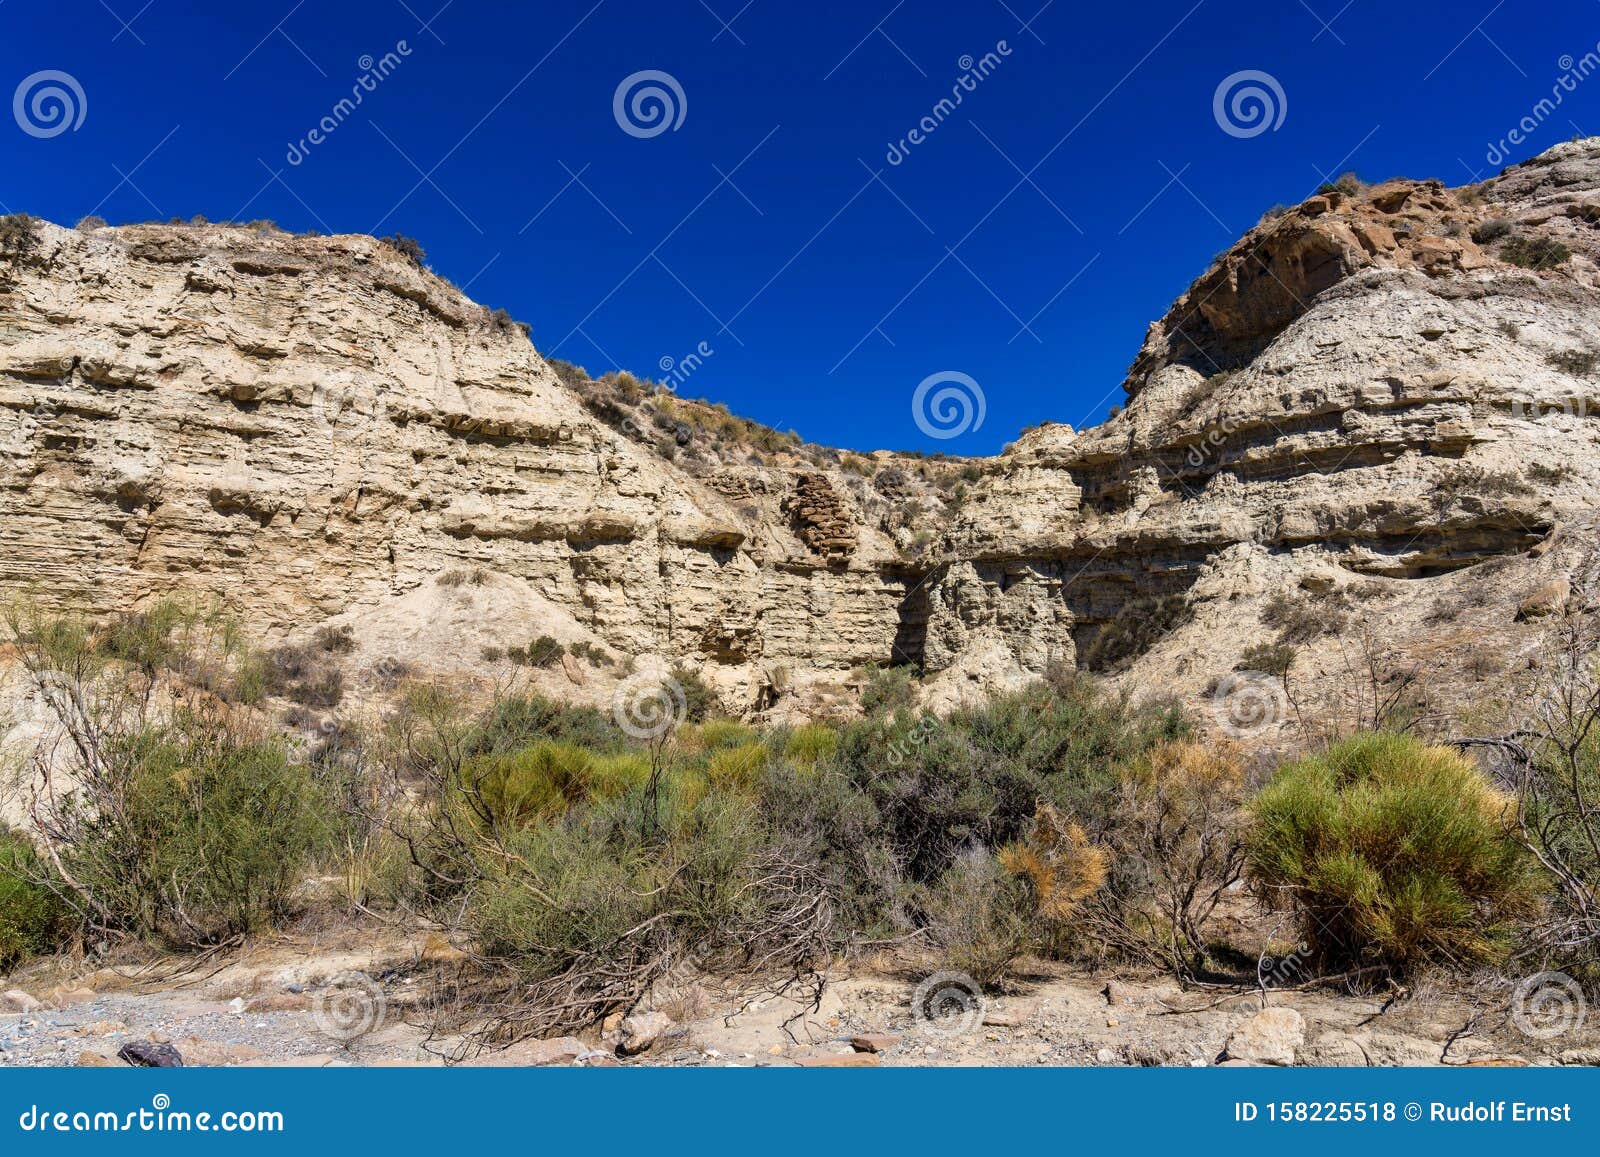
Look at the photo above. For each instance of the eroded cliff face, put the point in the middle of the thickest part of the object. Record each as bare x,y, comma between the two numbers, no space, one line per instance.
315,429
1357,397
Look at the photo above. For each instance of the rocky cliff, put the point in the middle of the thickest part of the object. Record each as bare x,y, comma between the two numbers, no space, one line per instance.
1375,413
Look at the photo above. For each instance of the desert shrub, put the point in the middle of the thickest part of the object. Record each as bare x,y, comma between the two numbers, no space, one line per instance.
888,690
408,247
736,769
33,920
19,235
546,779
1348,184
502,322
1491,230
939,786
591,652
1301,619
1549,475
1393,854
979,916
1269,658
1139,625
1173,842
583,915
1578,363
574,377
810,745
700,701
492,654
545,651
301,675
1534,252
189,832
716,734
1558,788
336,640
517,721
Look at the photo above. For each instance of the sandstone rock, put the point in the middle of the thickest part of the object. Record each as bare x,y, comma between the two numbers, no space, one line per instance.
1270,1037
1581,1057
874,1042
15,1000
1332,1050
1342,392
641,1031
94,1060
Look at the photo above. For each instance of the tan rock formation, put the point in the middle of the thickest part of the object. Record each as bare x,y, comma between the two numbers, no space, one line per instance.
1358,403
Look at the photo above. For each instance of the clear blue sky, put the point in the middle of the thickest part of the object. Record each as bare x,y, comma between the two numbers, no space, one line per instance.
769,223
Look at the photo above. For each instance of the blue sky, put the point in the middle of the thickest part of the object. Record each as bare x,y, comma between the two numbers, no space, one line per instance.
1026,241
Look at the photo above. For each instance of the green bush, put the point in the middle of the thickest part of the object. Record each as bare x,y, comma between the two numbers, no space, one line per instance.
980,916
810,745
699,700
519,720
194,833
33,920
545,651
1539,253
938,787
888,689
1393,854
546,779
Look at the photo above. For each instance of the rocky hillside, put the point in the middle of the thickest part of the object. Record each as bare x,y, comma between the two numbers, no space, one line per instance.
1372,418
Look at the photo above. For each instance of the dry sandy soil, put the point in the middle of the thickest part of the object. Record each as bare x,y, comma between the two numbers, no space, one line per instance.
291,1003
